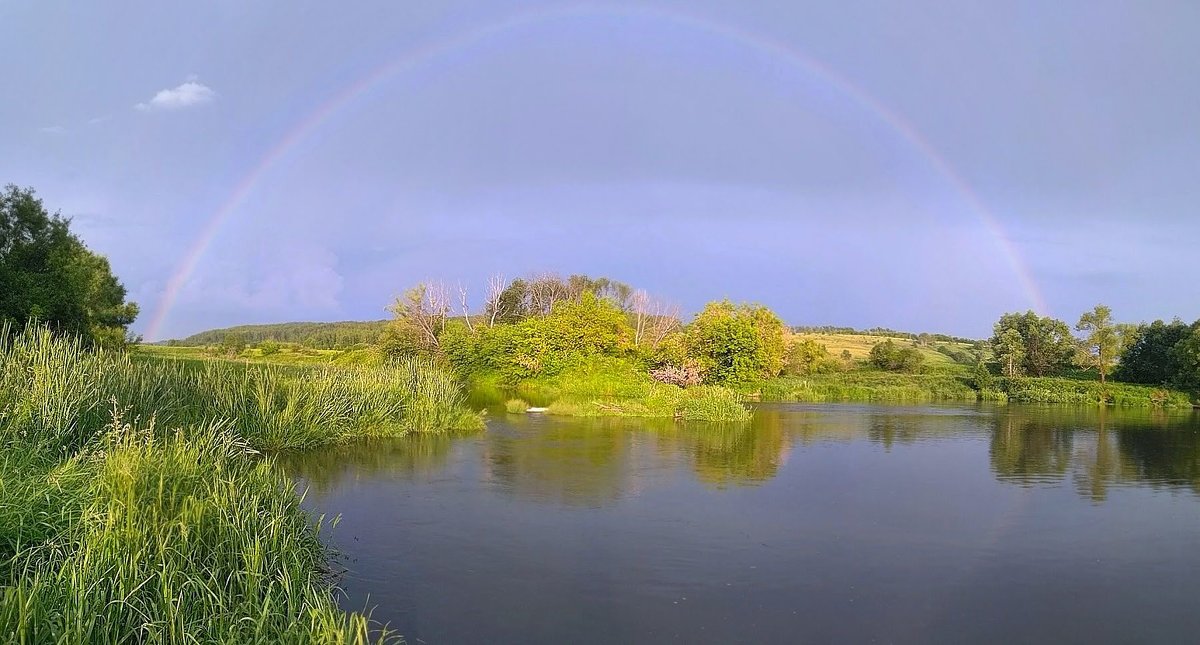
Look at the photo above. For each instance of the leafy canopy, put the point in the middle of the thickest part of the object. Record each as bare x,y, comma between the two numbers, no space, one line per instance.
736,343
47,274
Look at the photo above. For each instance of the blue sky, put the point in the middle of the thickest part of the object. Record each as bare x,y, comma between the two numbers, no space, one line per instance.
854,163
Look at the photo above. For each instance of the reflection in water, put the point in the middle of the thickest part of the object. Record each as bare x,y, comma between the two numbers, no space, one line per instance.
879,523
594,462
580,463
323,471
1097,448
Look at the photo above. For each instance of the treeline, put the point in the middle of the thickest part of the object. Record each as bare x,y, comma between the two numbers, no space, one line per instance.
922,338
542,325
48,275
1158,353
317,335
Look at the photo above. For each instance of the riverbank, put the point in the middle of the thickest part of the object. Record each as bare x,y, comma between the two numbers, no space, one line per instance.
948,386
612,388
137,504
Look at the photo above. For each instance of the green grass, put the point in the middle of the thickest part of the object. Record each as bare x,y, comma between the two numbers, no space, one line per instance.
955,384
1090,392
516,406
611,387
859,346
869,385
289,356
137,505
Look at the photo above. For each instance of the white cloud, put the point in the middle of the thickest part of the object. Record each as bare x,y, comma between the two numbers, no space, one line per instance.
98,120
54,129
191,92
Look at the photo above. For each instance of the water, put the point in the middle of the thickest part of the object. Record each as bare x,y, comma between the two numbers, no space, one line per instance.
820,523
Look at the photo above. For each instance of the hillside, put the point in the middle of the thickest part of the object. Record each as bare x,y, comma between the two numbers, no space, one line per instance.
318,335
936,352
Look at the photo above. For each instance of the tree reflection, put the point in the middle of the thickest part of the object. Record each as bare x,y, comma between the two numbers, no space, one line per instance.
1029,450
574,462
738,455
325,470
1099,447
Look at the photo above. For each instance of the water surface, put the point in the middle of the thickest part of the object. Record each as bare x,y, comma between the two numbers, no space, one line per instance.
818,523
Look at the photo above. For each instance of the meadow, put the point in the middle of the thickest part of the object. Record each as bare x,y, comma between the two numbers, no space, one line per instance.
139,501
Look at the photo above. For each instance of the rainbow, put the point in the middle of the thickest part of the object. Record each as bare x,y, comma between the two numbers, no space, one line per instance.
419,56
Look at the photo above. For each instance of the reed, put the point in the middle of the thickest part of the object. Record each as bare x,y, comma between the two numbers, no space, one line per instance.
137,504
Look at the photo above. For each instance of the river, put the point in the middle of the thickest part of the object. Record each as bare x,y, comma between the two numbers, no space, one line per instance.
818,523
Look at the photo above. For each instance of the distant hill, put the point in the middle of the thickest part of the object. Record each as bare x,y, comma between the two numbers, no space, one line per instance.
880,331
318,335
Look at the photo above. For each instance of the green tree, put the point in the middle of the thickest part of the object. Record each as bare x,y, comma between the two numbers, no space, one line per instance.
233,344
805,356
48,274
736,343
847,359
512,304
894,358
1102,343
1187,360
1010,352
420,318
1151,358
1047,344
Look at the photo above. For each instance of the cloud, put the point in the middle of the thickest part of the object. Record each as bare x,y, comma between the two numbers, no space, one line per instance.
189,93
98,120
54,129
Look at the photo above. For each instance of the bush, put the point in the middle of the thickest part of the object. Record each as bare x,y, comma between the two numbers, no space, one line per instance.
893,358
516,406
736,343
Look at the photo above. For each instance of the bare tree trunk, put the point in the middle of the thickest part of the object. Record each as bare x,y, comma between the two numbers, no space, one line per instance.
495,287
462,300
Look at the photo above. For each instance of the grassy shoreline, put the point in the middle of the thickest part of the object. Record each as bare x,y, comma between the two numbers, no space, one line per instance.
888,387
137,504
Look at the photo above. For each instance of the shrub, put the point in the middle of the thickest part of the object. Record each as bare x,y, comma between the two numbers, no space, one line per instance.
516,406
736,343
681,376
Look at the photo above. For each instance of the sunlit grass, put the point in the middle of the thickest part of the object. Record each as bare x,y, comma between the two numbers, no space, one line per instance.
136,503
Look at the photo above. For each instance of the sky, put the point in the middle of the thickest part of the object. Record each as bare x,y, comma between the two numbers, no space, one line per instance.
924,166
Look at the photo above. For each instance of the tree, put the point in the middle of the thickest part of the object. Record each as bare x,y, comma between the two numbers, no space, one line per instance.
890,356
420,317
1047,344
48,274
1099,349
736,343
546,289
1010,352
511,304
653,320
233,344
805,356
1187,360
1149,355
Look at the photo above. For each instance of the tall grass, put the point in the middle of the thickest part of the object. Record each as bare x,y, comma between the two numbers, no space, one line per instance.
52,387
136,506
165,539
1081,392
865,385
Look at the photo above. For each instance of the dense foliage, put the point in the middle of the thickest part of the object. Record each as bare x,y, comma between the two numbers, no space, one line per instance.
318,335
48,275
1151,356
736,343
1033,345
891,357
